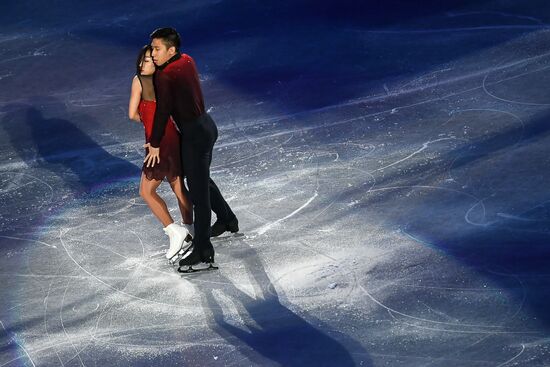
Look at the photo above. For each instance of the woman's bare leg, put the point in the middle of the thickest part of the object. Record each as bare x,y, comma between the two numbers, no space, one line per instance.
148,191
186,207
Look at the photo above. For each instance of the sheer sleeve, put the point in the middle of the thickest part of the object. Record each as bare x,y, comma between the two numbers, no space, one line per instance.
147,89
164,107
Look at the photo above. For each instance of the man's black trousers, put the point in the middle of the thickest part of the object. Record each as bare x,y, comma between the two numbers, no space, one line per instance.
197,143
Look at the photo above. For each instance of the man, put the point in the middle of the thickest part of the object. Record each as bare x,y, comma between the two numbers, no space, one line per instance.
179,95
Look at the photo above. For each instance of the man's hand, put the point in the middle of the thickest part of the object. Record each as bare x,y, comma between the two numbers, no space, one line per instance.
153,157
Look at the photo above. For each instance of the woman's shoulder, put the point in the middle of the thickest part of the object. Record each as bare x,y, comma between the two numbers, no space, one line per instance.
136,81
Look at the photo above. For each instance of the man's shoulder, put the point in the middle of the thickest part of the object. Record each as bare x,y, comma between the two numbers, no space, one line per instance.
186,59
183,61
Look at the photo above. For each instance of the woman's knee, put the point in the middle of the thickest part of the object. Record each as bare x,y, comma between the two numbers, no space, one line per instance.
147,191
144,193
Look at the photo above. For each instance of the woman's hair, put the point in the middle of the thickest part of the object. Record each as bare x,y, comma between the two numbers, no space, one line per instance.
141,56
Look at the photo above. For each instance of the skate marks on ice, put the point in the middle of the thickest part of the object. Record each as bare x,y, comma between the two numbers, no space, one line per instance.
262,327
264,318
458,178
94,304
129,282
402,229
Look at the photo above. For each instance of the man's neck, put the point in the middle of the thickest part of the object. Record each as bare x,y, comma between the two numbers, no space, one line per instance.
170,60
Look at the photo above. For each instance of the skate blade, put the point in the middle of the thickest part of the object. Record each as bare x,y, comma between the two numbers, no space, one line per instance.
226,235
187,269
180,255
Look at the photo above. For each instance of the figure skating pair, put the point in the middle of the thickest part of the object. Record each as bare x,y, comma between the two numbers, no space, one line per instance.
167,98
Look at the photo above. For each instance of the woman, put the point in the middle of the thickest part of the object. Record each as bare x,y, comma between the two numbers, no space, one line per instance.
142,109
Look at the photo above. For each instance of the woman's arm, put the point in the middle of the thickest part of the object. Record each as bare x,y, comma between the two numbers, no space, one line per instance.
135,98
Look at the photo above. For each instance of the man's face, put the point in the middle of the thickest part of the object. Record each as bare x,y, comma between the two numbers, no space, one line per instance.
161,53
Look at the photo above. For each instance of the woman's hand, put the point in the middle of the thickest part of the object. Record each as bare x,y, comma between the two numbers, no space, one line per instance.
136,117
153,157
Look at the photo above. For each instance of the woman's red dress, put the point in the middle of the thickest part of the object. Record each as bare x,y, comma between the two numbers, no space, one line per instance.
170,159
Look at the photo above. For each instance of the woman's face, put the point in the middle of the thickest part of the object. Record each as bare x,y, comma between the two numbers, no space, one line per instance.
147,65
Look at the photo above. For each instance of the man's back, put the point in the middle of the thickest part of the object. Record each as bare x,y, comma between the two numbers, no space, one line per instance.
187,89
178,92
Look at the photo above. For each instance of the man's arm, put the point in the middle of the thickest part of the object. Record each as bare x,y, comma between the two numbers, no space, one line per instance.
164,107
162,113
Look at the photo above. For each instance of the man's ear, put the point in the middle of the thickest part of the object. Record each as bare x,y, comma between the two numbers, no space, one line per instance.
172,50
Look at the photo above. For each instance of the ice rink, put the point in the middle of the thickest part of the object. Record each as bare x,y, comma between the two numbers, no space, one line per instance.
389,166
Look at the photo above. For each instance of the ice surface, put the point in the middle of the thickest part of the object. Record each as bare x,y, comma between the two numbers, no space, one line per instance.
389,166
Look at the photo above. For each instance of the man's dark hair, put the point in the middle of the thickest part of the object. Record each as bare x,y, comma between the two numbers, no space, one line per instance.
169,37
141,56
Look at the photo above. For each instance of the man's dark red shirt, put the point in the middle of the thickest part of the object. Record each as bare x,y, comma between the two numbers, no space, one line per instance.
178,94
